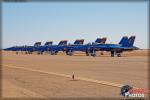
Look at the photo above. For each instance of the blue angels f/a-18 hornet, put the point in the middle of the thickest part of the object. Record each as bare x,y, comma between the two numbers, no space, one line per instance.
26,49
47,47
54,49
125,44
78,46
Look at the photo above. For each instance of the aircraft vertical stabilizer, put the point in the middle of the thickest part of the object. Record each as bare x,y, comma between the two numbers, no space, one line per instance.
131,41
37,44
124,41
63,42
81,41
101,40
49,43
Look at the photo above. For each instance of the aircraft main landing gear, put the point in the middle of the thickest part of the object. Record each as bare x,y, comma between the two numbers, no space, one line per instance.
113,53
70,53
88,53
93,53
53,52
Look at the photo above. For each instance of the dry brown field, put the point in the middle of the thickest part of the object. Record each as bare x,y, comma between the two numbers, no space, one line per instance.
49,76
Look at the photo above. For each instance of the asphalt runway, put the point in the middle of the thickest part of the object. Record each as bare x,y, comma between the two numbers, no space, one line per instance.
50,75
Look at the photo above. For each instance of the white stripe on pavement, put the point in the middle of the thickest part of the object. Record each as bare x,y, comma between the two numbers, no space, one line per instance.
68,76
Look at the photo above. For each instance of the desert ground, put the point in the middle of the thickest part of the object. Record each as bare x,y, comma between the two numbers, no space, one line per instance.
49,76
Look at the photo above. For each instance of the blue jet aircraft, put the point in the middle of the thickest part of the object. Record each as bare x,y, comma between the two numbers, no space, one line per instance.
78,46
125,44
54,49
90,49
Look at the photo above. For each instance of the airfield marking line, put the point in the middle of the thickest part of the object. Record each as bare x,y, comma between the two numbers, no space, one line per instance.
68,76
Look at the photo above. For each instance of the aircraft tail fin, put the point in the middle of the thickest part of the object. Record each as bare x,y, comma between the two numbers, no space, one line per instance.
101,40
63,42
131,41
37,44
125,42
98,40
49,43
81,41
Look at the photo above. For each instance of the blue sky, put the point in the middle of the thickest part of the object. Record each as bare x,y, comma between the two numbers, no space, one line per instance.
26,23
